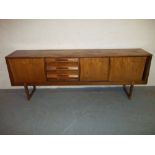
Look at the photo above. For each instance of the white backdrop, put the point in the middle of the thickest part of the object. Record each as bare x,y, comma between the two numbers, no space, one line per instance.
64,34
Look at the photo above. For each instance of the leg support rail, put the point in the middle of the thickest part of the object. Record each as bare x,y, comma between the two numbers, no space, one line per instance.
28,93
128,92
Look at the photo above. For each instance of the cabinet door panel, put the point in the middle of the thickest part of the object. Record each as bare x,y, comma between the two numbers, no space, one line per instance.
127,68
94,69
27,70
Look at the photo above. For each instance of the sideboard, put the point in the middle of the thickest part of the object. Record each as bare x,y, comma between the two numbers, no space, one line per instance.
127,67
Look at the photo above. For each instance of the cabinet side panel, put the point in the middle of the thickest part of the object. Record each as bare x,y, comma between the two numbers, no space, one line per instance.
147,69
9,71
127,68
27,70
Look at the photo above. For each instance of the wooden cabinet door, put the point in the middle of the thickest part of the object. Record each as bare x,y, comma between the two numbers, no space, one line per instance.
26,70
94,69
127,68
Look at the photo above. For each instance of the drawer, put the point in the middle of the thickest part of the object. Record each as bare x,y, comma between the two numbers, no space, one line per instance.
74,68
49,75
62,69
62,77
63,72
48,60
62,61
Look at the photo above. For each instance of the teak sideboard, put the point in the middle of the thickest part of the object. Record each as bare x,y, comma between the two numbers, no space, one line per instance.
79,67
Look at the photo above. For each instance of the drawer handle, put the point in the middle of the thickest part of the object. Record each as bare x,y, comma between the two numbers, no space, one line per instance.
67,68
65,75
73,76
66,60
63,68
73,68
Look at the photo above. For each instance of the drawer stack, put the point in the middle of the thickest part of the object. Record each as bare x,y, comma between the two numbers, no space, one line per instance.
62,69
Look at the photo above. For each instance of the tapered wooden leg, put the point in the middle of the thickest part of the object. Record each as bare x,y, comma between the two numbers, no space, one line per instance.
128,92
27,92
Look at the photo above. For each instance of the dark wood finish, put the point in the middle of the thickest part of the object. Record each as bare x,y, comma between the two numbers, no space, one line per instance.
128,93
147,68
27,92
78,53
94,69
79,67
78,83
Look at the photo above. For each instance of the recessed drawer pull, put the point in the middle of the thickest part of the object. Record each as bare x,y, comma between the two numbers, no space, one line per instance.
57,68
68,68
73,68
62,79
61,68
67,60
73,76
62,60
66,75
62,76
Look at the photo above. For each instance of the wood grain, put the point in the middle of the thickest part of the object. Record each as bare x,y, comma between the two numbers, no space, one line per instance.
27,70
78,53
124,68
127,68
78,67
94,69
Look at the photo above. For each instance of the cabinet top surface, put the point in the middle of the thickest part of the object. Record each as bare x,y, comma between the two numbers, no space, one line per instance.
78,53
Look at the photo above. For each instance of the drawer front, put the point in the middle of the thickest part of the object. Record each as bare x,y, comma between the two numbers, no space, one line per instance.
61,63
52,68
48,60
62,69
68,72
62,77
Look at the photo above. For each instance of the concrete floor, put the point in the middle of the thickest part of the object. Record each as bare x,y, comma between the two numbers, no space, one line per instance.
78,111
